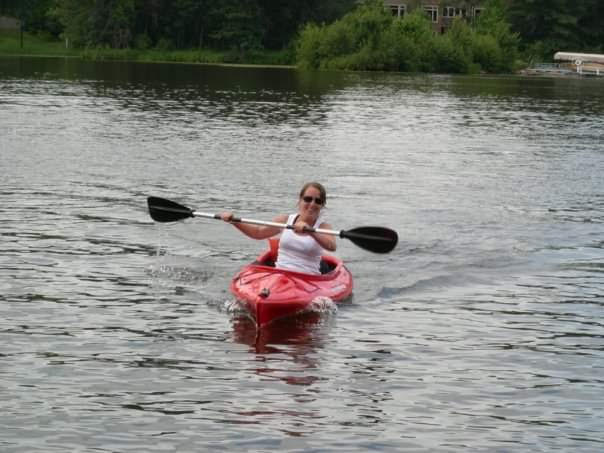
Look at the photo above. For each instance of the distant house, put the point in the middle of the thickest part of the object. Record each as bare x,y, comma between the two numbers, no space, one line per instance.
441,13
9,23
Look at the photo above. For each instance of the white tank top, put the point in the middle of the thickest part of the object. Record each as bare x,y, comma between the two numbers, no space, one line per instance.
300,253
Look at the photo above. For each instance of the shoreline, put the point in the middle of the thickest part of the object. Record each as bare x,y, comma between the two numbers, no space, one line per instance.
522,72
150,61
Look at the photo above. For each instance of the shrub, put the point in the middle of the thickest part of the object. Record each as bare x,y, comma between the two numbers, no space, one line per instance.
164,44
449,58
308,47
369,38
488,54
142,41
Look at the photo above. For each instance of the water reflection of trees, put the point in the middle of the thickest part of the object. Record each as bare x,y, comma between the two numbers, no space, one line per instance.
244,94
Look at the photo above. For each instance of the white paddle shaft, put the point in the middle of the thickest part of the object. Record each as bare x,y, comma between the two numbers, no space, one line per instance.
264,223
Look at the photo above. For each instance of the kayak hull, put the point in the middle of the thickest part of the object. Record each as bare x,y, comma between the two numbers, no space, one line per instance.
269,293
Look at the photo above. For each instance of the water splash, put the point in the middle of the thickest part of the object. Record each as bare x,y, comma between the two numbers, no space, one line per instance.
183,274
323,306
233,307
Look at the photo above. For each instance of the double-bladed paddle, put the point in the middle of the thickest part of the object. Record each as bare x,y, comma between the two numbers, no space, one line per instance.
374,239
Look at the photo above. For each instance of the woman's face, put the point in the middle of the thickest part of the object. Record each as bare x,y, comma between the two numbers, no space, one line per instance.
311,203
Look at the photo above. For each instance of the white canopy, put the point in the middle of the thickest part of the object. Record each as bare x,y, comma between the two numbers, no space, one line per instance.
579,57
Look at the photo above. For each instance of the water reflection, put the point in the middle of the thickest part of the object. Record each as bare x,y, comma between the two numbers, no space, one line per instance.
294,341
296,334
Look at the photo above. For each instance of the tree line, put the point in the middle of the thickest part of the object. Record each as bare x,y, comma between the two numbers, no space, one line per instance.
325,33
545,26
175,24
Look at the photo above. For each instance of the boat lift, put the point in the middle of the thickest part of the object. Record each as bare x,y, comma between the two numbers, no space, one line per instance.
584,63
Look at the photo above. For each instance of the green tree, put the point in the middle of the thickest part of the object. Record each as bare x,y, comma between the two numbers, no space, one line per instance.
552,25
97,22
237,25
590,25
117,22
34,14
24,10
498,55
282,19
190,22
352,42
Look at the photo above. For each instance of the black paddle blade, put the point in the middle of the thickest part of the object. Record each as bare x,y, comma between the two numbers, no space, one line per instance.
162,210
374,239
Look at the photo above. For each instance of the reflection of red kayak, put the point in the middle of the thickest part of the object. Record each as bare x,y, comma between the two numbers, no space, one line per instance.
270,293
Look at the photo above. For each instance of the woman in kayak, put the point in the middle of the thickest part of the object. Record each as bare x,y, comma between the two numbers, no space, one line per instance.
299,250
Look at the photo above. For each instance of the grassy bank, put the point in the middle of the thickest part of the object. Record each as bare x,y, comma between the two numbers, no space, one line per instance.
10,45
191,56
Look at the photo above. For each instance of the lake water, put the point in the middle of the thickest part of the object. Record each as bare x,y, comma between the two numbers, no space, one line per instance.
482,331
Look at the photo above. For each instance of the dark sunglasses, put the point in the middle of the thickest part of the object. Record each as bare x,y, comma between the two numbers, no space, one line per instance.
308,199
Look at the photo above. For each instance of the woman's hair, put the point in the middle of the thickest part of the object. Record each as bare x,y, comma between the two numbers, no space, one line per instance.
317,186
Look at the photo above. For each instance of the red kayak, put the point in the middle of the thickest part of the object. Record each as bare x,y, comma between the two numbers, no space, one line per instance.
270,293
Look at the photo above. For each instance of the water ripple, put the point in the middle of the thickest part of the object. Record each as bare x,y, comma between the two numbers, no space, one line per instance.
481,331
